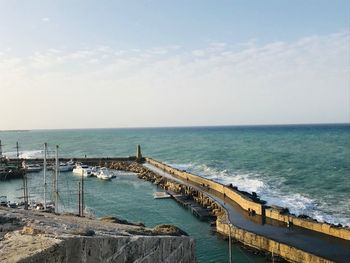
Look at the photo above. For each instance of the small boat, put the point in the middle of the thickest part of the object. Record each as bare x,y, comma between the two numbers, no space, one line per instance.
11,205
95,170
31,167
71,163
64,167
161,195
3,200
82,169
104,174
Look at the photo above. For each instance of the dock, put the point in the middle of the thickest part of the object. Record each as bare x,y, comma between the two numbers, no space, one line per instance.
199,211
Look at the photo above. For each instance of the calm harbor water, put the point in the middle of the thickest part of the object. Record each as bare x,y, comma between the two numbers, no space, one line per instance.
130,198
305,168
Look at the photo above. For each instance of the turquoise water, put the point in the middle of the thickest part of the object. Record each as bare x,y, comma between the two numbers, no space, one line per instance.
305,168
131,198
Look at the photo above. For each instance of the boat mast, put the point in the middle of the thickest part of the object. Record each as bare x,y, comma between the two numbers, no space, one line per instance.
25,191
17,148
82,193
45,164
0,149
56,181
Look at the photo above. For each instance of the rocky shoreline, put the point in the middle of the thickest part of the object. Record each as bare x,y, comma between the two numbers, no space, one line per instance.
32,236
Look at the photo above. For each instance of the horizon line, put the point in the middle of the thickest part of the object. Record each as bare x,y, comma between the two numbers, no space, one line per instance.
181,126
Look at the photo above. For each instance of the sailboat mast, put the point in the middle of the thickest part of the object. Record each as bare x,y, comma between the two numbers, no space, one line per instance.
45,164
82,193
56,181
0,149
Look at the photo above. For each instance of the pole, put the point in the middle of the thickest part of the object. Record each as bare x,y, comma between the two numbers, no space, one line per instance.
82,192
25,191
0,149
27,195
79,201
229,245
45,184
17,148
56,181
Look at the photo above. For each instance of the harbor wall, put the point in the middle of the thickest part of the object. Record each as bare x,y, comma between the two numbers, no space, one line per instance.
289,253
250,205
250,239
245,202
311,224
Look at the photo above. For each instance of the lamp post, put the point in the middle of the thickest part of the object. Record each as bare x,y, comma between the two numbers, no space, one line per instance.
229,244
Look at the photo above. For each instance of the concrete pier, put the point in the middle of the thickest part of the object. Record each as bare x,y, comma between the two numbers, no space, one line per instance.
295,244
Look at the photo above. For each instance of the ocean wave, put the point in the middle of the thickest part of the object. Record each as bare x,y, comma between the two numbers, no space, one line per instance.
26,154
270,191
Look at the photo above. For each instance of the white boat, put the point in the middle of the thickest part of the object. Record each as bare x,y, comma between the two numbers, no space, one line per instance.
71,163
31,167
95,170
161,195
104,174
64,167
82,169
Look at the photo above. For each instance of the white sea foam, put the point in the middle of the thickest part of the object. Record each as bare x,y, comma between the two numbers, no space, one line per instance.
26,154
268,190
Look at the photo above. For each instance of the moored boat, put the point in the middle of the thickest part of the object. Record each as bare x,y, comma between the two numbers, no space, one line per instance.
82,169
104,174
31,167
161,195
95,170
65,167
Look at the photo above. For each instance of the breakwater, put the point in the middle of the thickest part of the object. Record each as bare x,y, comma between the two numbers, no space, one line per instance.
255,205
196,187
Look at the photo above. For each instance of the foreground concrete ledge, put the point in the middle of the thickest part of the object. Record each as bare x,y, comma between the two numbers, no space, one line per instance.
31,236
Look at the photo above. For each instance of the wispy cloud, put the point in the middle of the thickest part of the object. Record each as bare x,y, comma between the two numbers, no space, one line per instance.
280,82
45,19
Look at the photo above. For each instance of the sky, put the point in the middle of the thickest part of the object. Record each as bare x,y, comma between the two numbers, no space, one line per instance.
104,64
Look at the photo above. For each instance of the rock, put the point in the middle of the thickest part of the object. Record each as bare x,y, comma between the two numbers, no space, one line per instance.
28,230
116,220
170,230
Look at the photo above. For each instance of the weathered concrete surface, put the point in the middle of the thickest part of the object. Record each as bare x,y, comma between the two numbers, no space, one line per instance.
30,236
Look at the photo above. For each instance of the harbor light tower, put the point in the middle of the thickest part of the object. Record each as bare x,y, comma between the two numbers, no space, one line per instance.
138,153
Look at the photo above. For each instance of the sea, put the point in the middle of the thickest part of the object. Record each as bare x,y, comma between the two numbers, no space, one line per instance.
305,168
